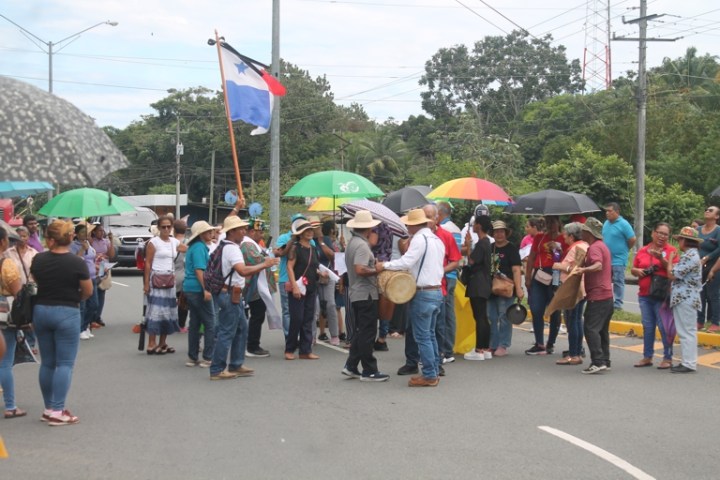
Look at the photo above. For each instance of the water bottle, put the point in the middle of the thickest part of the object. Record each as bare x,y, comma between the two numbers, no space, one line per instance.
270,254
557,254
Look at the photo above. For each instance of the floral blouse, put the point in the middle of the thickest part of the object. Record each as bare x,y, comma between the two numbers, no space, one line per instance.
688,280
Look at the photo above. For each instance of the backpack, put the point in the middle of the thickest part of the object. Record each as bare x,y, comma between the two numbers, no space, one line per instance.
214,280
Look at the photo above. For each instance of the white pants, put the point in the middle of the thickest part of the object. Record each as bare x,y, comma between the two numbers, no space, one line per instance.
686,326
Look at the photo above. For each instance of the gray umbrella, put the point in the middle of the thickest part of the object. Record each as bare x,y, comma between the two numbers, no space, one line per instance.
46,138
715,193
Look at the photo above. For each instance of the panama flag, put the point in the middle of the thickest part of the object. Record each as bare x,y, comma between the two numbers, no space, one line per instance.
250,90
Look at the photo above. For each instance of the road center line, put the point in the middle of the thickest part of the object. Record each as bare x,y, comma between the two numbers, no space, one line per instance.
604,454
118,283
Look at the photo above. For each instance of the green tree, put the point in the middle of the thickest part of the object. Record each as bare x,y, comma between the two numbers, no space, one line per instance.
497,79
671,204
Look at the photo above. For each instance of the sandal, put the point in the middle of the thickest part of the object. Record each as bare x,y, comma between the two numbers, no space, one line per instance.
15,413
166,349
151,351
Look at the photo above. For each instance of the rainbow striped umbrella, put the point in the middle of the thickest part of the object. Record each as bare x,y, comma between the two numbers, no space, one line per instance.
471,188
328,204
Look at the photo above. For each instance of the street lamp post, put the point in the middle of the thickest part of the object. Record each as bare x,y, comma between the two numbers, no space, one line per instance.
51,45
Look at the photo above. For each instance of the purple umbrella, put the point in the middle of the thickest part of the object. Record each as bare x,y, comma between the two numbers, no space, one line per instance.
378,212
668,321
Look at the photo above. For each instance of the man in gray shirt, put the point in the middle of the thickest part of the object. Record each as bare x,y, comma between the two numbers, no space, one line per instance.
363,298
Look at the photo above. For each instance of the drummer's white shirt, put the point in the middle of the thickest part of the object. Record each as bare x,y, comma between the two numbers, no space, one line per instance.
432,267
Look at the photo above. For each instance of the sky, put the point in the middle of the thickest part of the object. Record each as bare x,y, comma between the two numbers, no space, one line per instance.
373,52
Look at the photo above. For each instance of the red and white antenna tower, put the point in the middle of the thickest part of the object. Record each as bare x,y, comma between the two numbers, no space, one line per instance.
597,72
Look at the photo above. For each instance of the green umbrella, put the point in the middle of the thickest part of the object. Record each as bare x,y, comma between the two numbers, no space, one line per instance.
85,202
334,183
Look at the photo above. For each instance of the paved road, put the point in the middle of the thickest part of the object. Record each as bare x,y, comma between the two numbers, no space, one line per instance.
152,417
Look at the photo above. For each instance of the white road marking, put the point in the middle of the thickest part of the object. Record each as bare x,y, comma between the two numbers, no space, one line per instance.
118,283
338,349
604,454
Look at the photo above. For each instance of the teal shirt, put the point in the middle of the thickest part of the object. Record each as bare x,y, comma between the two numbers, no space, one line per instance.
616,235
196,258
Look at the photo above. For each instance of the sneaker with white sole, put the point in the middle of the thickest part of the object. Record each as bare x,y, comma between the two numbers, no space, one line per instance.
85,335
205,363
351,372
449,359
65,418
487,354
563,329
474,355
592,369
192,363
374,377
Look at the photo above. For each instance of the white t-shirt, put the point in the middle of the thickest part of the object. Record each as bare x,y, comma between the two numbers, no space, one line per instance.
164,259
231,256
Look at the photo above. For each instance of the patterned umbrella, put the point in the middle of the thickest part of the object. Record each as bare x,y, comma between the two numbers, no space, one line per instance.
471,188
379,212
46,138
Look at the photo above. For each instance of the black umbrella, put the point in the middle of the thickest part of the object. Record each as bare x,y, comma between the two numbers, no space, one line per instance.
715,193
46,138
405,199
552,202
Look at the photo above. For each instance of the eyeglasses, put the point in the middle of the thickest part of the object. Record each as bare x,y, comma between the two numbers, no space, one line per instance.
711,210
168,227
662,234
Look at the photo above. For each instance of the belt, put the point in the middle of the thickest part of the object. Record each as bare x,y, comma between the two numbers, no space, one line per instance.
431,287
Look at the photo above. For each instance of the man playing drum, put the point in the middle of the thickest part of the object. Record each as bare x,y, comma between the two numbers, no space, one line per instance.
424,259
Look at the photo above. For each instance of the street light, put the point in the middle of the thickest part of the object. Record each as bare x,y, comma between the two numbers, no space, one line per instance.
50,45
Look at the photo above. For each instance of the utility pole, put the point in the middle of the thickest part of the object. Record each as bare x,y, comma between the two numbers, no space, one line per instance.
212,188
343,146
642,115
275,128
179,150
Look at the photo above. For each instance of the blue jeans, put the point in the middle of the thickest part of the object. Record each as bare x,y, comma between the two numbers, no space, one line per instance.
446,323
58,333
7,382
618,279
650,311
574,323
500,327
424,313
89,308
285,308
540,297
232,330
201,313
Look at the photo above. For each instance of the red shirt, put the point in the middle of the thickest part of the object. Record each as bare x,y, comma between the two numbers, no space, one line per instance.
644,260
598,285
543,252
452,253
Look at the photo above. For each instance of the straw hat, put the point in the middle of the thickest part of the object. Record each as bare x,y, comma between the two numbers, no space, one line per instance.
415,217
500,225
593,226
232,223
299,226
688,233
363,219
314,221
198,228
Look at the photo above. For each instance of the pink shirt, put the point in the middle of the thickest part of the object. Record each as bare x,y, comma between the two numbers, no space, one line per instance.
598,285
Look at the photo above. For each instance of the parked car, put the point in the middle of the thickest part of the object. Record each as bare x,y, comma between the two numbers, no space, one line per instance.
129,229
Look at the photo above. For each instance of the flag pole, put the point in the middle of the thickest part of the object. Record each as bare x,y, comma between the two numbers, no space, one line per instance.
229,121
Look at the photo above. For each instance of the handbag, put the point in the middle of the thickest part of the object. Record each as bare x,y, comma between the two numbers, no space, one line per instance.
106,281
502,286
543,277
659,287
465,274
163,280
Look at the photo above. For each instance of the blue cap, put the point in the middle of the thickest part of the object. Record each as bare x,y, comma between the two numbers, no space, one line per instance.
297,216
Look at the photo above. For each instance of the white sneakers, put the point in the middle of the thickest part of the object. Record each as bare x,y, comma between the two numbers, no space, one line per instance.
86,335
563,329
477,356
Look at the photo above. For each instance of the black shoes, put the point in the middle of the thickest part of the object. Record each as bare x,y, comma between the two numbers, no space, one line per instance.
380,346
407,370
323,337
681,369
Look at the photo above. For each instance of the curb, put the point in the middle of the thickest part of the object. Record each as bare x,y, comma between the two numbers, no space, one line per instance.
622,328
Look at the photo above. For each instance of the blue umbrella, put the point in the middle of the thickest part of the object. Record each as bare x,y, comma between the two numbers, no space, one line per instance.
23,189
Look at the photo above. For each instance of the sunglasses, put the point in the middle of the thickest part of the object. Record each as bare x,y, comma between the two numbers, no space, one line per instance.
711,210
164,227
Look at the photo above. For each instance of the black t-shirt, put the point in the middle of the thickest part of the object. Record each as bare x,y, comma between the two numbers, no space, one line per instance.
480,282
58,277
302,256
506,257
